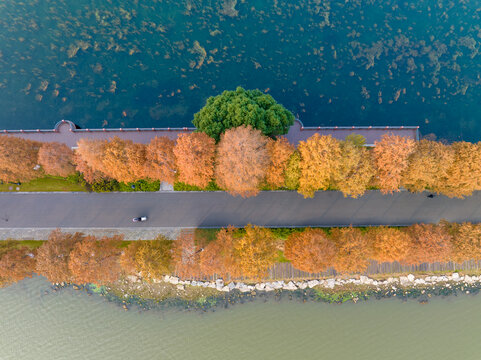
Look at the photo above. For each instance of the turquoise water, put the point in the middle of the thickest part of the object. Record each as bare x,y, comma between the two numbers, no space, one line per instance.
71,325
150,63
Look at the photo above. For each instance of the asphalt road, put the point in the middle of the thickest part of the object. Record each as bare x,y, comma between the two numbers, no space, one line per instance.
214,209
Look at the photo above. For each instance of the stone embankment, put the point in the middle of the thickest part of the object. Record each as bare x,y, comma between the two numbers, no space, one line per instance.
409,281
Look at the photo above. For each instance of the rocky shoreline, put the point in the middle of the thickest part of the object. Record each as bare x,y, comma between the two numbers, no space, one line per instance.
202,295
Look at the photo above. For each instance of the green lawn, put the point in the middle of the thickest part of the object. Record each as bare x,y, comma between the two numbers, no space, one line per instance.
48,183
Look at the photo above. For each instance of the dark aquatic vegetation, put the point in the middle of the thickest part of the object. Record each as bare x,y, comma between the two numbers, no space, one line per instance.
324,60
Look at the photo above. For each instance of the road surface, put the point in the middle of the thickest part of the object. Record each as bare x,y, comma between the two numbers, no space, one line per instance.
215,209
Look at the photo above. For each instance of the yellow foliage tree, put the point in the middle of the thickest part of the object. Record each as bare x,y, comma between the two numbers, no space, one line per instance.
256,251
293,171
356,167
153,258
391,159
466,241
320,163
464,175
428,167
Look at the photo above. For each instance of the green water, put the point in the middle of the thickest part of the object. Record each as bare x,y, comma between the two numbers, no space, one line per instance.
137,63
72,325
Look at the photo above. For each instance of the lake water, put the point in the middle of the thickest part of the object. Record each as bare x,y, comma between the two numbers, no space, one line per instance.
134,63
72,325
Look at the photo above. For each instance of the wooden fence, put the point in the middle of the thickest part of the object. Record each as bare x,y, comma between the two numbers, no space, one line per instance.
285,271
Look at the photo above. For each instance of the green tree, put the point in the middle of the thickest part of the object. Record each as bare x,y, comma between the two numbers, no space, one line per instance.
243,107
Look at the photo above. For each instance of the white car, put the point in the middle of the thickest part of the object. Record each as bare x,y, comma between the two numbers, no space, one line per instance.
138,219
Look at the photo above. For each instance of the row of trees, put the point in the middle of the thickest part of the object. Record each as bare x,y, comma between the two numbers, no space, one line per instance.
235,253
245,161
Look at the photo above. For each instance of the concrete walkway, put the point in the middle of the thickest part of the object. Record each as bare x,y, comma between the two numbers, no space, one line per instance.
128,233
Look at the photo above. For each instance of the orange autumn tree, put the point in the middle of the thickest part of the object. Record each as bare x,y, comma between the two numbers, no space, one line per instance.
356,167
194,156
18,159
127,258
255,252
185,256
54,255
353,250
94,260
56,159
123,160
464,175
89,158
90,175
429,243
319,165
428,167
310,251
465,240
391,159
160,160
218,256
242,159
17,264
280,151
388,244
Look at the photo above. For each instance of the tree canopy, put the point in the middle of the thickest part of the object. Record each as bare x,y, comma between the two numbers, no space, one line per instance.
242,160
243,107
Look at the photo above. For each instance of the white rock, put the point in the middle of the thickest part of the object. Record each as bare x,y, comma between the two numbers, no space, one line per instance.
180,287
277,284
330,283
404,280
260,286
225,288
419,282
268,288
312,283
174,280
363,279
166,278
411,277
468,279
290,286
132,278
302,285
211,285
219,282
244,288
455,276
232,286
